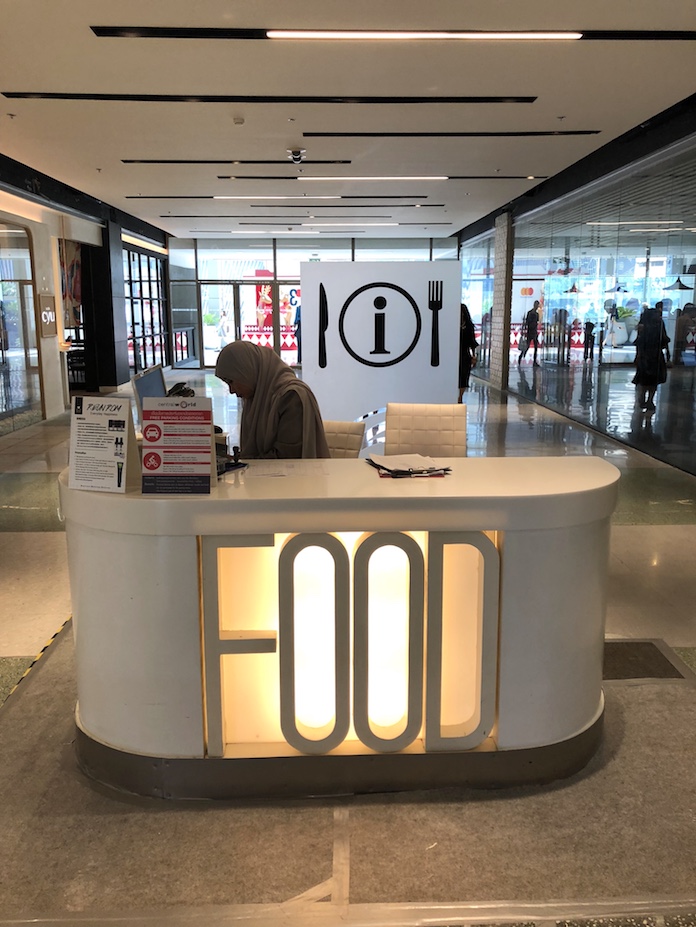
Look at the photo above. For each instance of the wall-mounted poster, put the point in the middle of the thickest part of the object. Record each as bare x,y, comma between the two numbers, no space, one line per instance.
374,333
71,275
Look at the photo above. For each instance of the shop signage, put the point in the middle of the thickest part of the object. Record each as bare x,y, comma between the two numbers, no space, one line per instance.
177,452
47,315
334,675
391,330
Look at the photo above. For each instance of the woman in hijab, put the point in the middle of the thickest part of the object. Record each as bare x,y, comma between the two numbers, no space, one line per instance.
280,415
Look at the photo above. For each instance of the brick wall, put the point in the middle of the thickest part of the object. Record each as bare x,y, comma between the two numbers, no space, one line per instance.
502,298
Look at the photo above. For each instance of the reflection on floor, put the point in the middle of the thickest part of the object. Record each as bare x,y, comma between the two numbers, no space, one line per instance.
617,840
605,398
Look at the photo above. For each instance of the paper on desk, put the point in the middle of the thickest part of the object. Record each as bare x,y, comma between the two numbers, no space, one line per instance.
303,467
403,462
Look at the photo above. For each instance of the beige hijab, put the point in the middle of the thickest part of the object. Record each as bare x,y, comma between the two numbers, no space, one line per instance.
270,378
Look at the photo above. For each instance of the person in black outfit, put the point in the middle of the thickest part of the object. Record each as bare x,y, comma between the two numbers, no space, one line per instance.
530,331
651,342
588,352
467,348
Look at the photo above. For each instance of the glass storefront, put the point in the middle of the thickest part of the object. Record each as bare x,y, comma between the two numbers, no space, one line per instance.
598,258
250,289
146,316
595,260
20,391
478,267
183,303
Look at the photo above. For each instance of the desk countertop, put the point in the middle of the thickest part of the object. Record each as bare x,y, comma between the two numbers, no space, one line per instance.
502,493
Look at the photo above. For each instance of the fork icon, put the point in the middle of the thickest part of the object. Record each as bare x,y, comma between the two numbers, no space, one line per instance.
435,304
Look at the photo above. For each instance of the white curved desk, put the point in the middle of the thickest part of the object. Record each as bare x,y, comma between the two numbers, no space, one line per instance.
313,628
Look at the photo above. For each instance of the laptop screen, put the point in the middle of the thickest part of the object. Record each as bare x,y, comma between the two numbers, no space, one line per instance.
149,383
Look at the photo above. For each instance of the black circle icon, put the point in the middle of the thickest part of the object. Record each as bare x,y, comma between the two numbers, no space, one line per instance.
379,303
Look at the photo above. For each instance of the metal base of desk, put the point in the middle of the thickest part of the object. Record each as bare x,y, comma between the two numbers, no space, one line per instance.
308,776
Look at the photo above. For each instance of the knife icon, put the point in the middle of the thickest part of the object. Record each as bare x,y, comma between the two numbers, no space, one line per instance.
323,324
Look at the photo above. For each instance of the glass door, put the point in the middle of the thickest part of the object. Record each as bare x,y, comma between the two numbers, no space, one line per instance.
258,313
20,390
218,315
31,351
264,312
290,311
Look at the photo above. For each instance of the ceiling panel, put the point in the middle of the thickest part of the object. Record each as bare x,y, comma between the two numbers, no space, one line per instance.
603,87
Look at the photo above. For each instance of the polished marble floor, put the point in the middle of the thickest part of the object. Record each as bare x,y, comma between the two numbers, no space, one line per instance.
605,399
654,526
650,597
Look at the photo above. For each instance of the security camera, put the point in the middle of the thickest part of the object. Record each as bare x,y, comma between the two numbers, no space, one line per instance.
296,155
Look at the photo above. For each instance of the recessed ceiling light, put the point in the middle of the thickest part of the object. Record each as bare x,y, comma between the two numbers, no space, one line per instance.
389,35
341,179
639,222
143,243
352,224
299,196
643,231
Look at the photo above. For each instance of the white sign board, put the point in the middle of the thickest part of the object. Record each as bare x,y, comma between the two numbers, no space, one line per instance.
178,454
374,333
102,445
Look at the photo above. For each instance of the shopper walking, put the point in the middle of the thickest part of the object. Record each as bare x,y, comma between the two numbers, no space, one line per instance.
530,333
652,342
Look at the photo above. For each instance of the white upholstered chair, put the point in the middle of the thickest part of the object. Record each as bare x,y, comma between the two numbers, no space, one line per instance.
432,429
344,438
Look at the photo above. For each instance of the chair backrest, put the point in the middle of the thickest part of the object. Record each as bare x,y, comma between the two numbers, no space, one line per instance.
344,438
432,429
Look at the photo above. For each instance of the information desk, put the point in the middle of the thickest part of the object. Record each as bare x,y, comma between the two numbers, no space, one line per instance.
312,628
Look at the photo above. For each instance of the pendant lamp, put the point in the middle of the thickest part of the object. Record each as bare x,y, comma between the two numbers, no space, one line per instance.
677,285
617,289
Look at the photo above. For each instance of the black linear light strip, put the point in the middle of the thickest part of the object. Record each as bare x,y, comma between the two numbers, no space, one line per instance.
183,32
348,179
302,220
175,32
293,218
207,215
208,196
219,98
333,205
302,223
312,208
497,177
217,161
544,134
